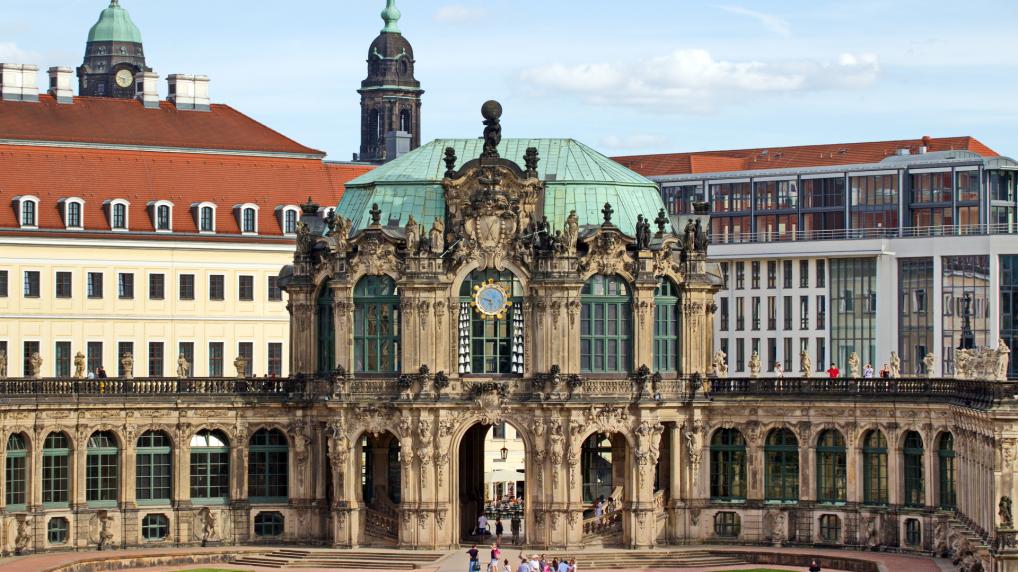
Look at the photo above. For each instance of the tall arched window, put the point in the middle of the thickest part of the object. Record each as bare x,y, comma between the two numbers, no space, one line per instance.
268,467
781,462
874,468
945,456
913,468
102,470
153,468
73,214
490,341
326,330
27,213
210,467
666,326
606,329
596,465
376,325
404,120
248,217
56,458
832,477
16,473
728,465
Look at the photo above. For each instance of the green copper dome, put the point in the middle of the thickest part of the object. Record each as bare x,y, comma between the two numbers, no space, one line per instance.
114,25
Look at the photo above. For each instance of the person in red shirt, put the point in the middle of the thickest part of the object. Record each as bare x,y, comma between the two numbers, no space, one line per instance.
833,372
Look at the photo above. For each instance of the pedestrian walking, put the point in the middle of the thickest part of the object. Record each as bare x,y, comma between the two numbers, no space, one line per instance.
814,566
496,552
499,529
514,527
475,564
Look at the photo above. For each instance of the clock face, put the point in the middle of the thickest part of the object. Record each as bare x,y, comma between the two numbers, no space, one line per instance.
124,78
491,299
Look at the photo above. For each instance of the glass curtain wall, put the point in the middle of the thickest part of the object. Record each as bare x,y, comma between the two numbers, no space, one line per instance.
679,199
777,210
731,212
915,319
966,308
1002,201
874,204
1009,307
853,315
823,207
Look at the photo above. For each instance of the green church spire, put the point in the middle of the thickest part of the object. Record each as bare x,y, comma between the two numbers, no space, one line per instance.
391,16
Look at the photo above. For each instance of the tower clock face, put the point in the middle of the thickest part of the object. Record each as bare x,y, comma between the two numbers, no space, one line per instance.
491,299
125,78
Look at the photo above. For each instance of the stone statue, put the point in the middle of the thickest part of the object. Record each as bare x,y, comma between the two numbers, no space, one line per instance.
1004,512
720,365
413,234
491,111
700,244
964,362
105,529
183,368
36,362
241,364
208,525
1003,358
805,363
872,538
895,365
3,364
689,236
642,233
754,364
24,535
928,363
79,365
778,532
304,239
341,234
853,365
127,363
571,234
437,236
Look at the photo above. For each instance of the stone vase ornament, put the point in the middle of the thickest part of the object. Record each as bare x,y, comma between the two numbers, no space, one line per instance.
79,365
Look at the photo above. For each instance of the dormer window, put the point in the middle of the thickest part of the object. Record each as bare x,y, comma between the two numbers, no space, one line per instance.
162,215
205,217
73,208
288,215
27,207
118,213
247,218
290,224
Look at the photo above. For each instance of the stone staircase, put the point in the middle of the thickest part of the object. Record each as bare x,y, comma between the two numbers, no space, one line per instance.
339,559
976,543
639,560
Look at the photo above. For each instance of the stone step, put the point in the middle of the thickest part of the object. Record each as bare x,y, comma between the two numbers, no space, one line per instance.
297,558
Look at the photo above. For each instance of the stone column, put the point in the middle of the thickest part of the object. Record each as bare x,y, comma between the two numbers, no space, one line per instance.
302,340
698,338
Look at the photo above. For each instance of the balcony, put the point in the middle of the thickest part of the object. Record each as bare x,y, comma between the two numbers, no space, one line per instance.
867,233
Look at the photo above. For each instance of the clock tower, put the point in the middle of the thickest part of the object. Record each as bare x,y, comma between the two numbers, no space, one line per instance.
390,96
113,56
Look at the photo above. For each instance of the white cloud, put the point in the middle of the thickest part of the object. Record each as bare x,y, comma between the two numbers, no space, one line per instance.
10,53
634,141
693,81
459,14
773,23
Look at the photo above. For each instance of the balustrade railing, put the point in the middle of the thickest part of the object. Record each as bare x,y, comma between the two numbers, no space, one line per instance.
380,523
143,386
865,233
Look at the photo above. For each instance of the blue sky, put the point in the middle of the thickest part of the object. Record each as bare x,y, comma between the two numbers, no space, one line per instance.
624,77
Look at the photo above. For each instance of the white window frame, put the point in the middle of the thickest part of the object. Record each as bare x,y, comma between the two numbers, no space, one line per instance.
154,213
281,211
20,200
239,210
111,205
197,207
65,205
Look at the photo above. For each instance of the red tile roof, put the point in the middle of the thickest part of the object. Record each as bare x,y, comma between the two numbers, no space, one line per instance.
791,157
140,177
109,121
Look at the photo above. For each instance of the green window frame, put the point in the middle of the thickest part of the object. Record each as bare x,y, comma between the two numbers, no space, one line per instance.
268,467
56,460
491,345
155,527
596,458
606,325
727,524
56,530
268,524
832,474
16,473
210,468
728,466
781,462
946,468
102,470
667,328
830,528
326,329
376,325
874,468
153,469
912,453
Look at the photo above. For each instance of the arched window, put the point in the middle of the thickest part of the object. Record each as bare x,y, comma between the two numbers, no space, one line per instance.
913,467
73,214
210,467
326,330
605,325
290,221
56,530
666,326
248,217
163,217
728,465
781,462
155,527
102,470
832,477
874,468
56,456
16,474
596,465
404,116
268,467
153,468
379,126
119,216
491,327
27,213
376,325
207,219
945,456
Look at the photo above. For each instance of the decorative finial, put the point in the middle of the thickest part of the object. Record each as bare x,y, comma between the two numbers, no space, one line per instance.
661,221
376,215
390,15
310,207
530,159
491,111
114,3
450,162
607,211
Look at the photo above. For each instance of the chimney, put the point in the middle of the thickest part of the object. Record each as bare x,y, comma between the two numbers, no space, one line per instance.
60,84
396,143
189,92
925,146
201,93
147,89
18,82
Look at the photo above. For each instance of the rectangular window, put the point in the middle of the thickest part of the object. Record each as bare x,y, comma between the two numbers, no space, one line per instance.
3,283
724,275
755,312
755,273
156,286
724,314
772,313
62,360
821,354
772,273
740,275
804,274
275,366
31,284
740,315
30,348
275,294
853,327
125,286
186,349
830,528
155,359
821,274
123,348
787,313
94,351
215,359
787,343
63,285
772,353
95,285
821,312
245,288
186,290
246,351
786,272
217,287
1008,325
498,431
740,354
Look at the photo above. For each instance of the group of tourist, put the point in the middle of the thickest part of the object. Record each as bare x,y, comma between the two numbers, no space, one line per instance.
536,563
483,527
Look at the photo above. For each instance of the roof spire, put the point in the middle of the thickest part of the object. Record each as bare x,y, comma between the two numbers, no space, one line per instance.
114,3
390,15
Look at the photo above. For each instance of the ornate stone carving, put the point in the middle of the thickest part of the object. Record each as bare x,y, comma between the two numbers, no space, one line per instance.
126,362
805,363
375,256
895,366
754,364
606,254
719,364
79,365
694,435
374,420
183,367
853,366
983,363
607,419
648,440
